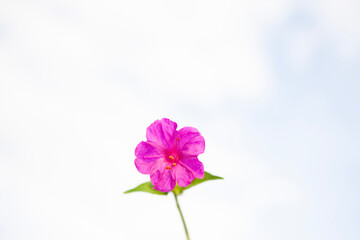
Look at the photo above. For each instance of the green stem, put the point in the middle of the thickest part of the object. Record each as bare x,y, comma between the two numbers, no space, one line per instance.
182,217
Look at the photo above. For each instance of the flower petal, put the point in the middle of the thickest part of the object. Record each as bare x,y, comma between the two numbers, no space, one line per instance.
146,156
191,142
182,175
194,166
162,132
163,181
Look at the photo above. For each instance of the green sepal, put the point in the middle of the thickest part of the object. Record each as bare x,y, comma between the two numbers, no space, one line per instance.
148,187
207,177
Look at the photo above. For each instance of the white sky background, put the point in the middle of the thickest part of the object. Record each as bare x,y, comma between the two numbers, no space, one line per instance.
272,85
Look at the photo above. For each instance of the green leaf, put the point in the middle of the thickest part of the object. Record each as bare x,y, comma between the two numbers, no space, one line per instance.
146,187
207,177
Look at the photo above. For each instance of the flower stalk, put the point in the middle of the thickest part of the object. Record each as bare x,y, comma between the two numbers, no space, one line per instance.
182,217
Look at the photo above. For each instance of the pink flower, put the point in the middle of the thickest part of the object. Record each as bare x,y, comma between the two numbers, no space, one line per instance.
170,156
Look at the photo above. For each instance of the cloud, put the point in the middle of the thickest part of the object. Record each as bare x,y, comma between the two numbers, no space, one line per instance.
81,82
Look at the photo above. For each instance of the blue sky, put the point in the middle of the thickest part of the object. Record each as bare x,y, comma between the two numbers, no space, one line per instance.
273,87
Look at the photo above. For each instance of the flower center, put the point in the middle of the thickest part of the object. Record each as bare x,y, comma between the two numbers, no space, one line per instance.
173,158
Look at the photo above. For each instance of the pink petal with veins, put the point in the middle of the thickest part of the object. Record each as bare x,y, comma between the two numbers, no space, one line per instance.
182,175
194,165
162,181
146,156
162,132
191,141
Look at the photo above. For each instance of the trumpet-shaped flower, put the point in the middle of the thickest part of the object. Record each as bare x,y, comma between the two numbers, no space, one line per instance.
170,156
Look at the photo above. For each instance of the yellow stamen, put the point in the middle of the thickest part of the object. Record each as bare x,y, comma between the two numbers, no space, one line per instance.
172,158
168,167
174,164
